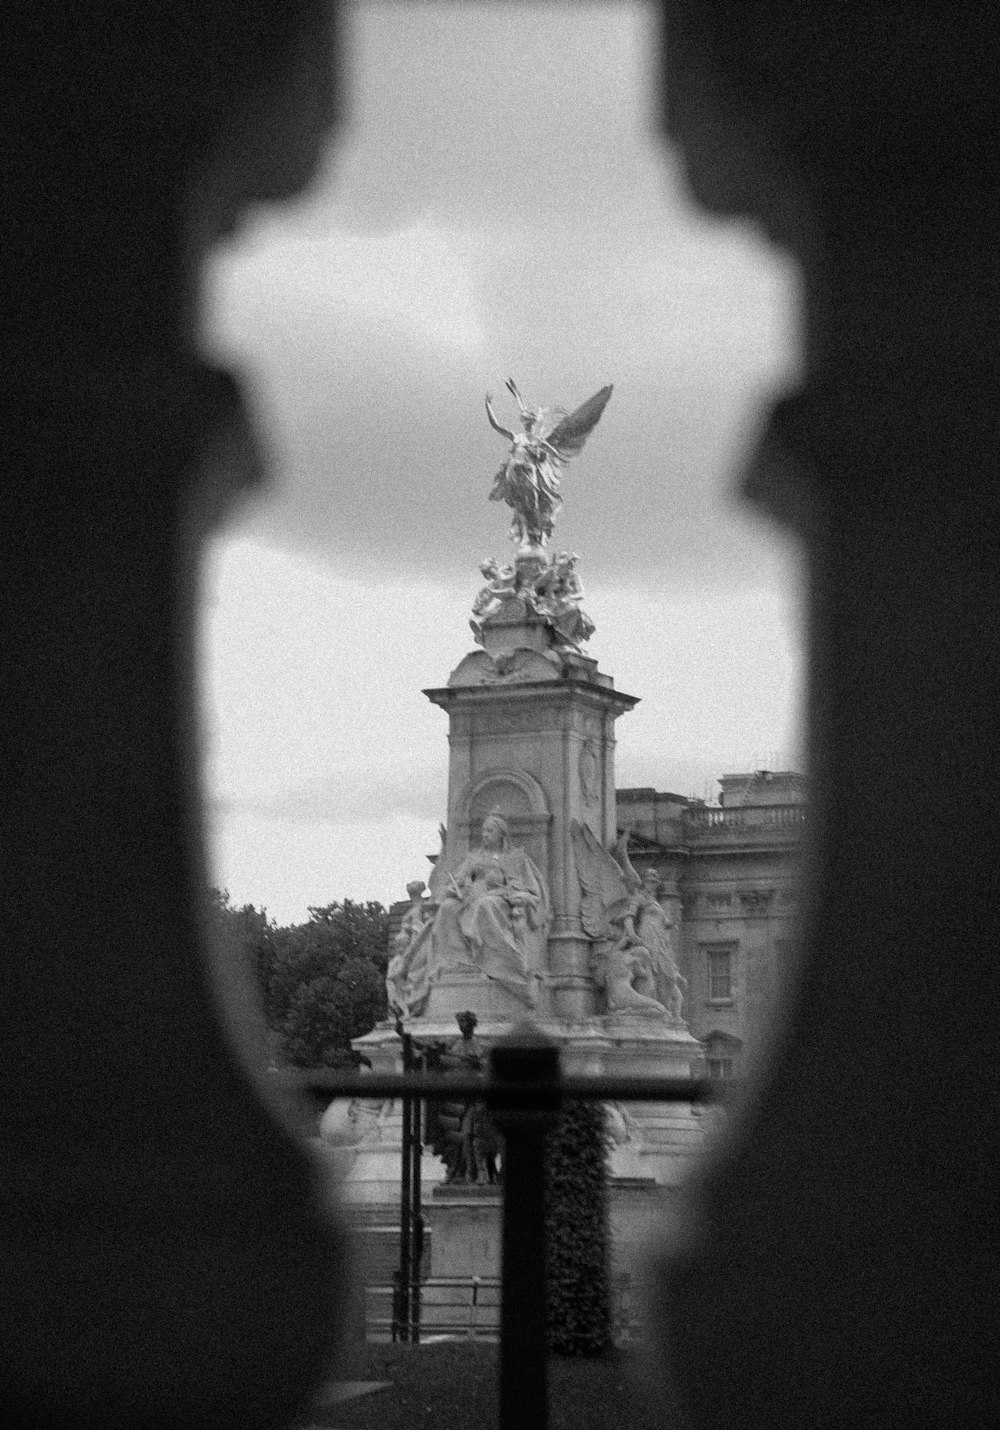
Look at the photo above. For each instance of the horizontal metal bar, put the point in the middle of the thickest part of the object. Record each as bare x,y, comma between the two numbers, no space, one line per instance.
484,1283
453,1330
438,1087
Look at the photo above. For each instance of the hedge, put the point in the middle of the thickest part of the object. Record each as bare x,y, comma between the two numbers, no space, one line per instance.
576,1213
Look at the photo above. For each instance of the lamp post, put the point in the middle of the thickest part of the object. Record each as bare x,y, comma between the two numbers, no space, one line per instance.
406,1315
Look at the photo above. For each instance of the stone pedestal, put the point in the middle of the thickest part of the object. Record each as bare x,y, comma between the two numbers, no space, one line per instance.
466,1240
653,1141
531,733
467,1222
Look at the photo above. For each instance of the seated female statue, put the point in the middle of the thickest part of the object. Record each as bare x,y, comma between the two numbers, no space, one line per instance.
494,914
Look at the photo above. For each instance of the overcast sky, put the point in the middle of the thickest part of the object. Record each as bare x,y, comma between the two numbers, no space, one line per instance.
497,204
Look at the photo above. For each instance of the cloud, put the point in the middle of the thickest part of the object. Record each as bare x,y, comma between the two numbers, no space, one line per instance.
372,394
500,205
327,766
489,114
286,866
314,684
347,797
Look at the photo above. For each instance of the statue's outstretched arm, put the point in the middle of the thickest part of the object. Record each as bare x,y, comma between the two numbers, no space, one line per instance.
494,423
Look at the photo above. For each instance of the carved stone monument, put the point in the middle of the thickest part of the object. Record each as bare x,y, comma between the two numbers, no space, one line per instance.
492,921
533,908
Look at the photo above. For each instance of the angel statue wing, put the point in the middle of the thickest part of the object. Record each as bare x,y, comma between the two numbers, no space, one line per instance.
606,897
620,853
569,436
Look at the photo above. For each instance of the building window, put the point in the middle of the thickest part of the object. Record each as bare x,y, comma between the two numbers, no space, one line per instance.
722,1056
720,975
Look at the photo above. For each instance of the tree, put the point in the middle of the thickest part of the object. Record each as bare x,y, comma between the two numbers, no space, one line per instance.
242,945
321,983
360,930
316,1027
245,933
577,1232
323,1015
326,982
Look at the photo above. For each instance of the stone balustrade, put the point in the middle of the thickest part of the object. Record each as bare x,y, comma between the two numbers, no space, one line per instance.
763,821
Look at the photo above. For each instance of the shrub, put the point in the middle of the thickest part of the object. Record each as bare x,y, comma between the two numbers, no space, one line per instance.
576,1213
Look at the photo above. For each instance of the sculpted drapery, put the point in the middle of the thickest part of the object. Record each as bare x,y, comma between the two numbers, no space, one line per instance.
654,929
494,915
407,977
528,481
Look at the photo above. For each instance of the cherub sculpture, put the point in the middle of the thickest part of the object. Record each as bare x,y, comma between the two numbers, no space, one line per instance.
501,584
528,481
558,594
622,962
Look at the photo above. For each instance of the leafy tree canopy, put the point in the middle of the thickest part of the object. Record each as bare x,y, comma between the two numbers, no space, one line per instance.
245,933
360,930
322,982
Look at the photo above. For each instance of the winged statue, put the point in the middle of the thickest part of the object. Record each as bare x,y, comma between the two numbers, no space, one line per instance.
528,481
622,963
654,930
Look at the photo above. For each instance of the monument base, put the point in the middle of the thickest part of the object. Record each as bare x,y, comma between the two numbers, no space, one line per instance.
651,1141
467,1224
454,992
653,1148
467,1230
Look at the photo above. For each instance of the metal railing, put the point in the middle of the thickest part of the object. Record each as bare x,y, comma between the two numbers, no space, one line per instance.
475,1309
478,1296
523,1093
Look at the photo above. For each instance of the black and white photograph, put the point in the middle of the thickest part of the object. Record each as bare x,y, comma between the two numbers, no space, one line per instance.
500,717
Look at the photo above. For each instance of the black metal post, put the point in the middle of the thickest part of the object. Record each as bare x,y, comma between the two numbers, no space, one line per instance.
406,1198
416,1149
527,1058
397,1308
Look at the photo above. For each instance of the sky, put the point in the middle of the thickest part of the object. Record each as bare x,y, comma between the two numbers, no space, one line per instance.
497,202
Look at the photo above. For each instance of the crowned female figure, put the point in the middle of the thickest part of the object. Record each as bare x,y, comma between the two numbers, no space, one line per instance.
494,914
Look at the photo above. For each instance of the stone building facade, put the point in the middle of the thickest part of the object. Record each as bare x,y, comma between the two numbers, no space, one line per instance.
728,877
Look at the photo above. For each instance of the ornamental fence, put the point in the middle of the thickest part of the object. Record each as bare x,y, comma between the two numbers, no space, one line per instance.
523,1092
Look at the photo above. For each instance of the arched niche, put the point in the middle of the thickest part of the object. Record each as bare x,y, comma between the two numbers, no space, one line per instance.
520,799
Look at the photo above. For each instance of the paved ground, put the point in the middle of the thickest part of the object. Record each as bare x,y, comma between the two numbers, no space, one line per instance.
449,1385
339,1390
